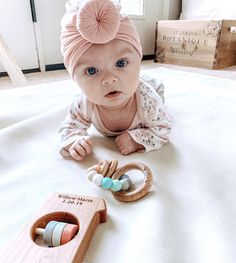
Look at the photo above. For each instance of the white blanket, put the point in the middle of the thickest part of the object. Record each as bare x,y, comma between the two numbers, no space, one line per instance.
190,213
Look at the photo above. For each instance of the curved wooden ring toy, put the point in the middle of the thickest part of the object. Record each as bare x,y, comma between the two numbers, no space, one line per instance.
104,164
112,168
139,192
95,167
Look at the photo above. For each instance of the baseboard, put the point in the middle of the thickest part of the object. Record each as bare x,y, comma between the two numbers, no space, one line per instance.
25,71
54,67
148,57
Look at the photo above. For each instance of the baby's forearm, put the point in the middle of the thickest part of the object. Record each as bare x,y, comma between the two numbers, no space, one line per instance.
151,138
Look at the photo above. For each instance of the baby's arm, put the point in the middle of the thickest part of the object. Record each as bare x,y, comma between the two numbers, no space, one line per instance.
73,131
153,134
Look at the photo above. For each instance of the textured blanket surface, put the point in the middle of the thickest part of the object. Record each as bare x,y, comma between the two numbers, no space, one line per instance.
190,213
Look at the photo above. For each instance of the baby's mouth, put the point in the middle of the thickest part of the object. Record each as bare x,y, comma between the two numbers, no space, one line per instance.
113,94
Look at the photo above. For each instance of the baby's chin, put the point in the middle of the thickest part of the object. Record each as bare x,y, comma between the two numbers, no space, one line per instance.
117,101
117,104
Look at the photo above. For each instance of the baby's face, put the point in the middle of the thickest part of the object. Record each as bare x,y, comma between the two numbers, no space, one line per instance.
108,74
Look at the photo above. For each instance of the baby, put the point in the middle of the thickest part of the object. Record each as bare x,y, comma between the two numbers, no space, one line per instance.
102,53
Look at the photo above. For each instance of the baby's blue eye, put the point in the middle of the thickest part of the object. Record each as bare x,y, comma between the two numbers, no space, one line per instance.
91,71
121,63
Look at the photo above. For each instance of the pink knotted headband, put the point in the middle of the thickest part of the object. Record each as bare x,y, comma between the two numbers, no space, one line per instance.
93,22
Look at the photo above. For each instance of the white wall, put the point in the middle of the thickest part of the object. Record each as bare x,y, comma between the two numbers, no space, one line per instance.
155,10
49,14
146,26
17,31
171,9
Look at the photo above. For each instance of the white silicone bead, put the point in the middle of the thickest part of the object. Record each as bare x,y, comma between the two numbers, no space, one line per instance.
97,179
125,184
91,174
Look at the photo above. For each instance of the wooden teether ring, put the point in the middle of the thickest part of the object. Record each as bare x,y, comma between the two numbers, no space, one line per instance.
104,164
139,192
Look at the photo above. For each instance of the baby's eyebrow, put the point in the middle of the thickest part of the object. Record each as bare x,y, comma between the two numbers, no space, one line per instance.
125,50
120,53
85,64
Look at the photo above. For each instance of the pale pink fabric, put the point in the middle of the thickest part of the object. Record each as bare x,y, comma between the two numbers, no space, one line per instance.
98,21
93,22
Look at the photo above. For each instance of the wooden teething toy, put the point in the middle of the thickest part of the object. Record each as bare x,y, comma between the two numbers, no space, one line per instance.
111,178
65,224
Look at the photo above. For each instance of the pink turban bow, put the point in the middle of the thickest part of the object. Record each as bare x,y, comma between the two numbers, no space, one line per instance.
93,22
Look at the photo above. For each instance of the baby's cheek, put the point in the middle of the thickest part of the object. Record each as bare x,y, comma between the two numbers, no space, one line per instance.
133,78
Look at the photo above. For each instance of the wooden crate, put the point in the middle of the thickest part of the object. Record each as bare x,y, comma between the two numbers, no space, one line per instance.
196,43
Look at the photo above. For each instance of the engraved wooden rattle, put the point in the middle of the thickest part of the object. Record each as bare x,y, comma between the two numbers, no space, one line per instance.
109,177
65,223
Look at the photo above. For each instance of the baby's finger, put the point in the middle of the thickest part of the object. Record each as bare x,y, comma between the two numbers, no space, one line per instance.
75,155
117,139
124,152
119,145
88,140
80,150
87,147
121,149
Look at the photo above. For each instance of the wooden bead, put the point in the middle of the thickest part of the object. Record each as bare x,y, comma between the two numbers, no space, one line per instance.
136,193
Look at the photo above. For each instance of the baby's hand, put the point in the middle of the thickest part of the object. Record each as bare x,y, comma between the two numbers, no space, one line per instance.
126,144
81,148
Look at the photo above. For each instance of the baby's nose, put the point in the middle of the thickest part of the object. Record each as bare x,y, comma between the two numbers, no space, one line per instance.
109,79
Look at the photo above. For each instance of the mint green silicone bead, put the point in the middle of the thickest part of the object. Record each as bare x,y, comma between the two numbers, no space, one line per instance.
116,185
106,183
